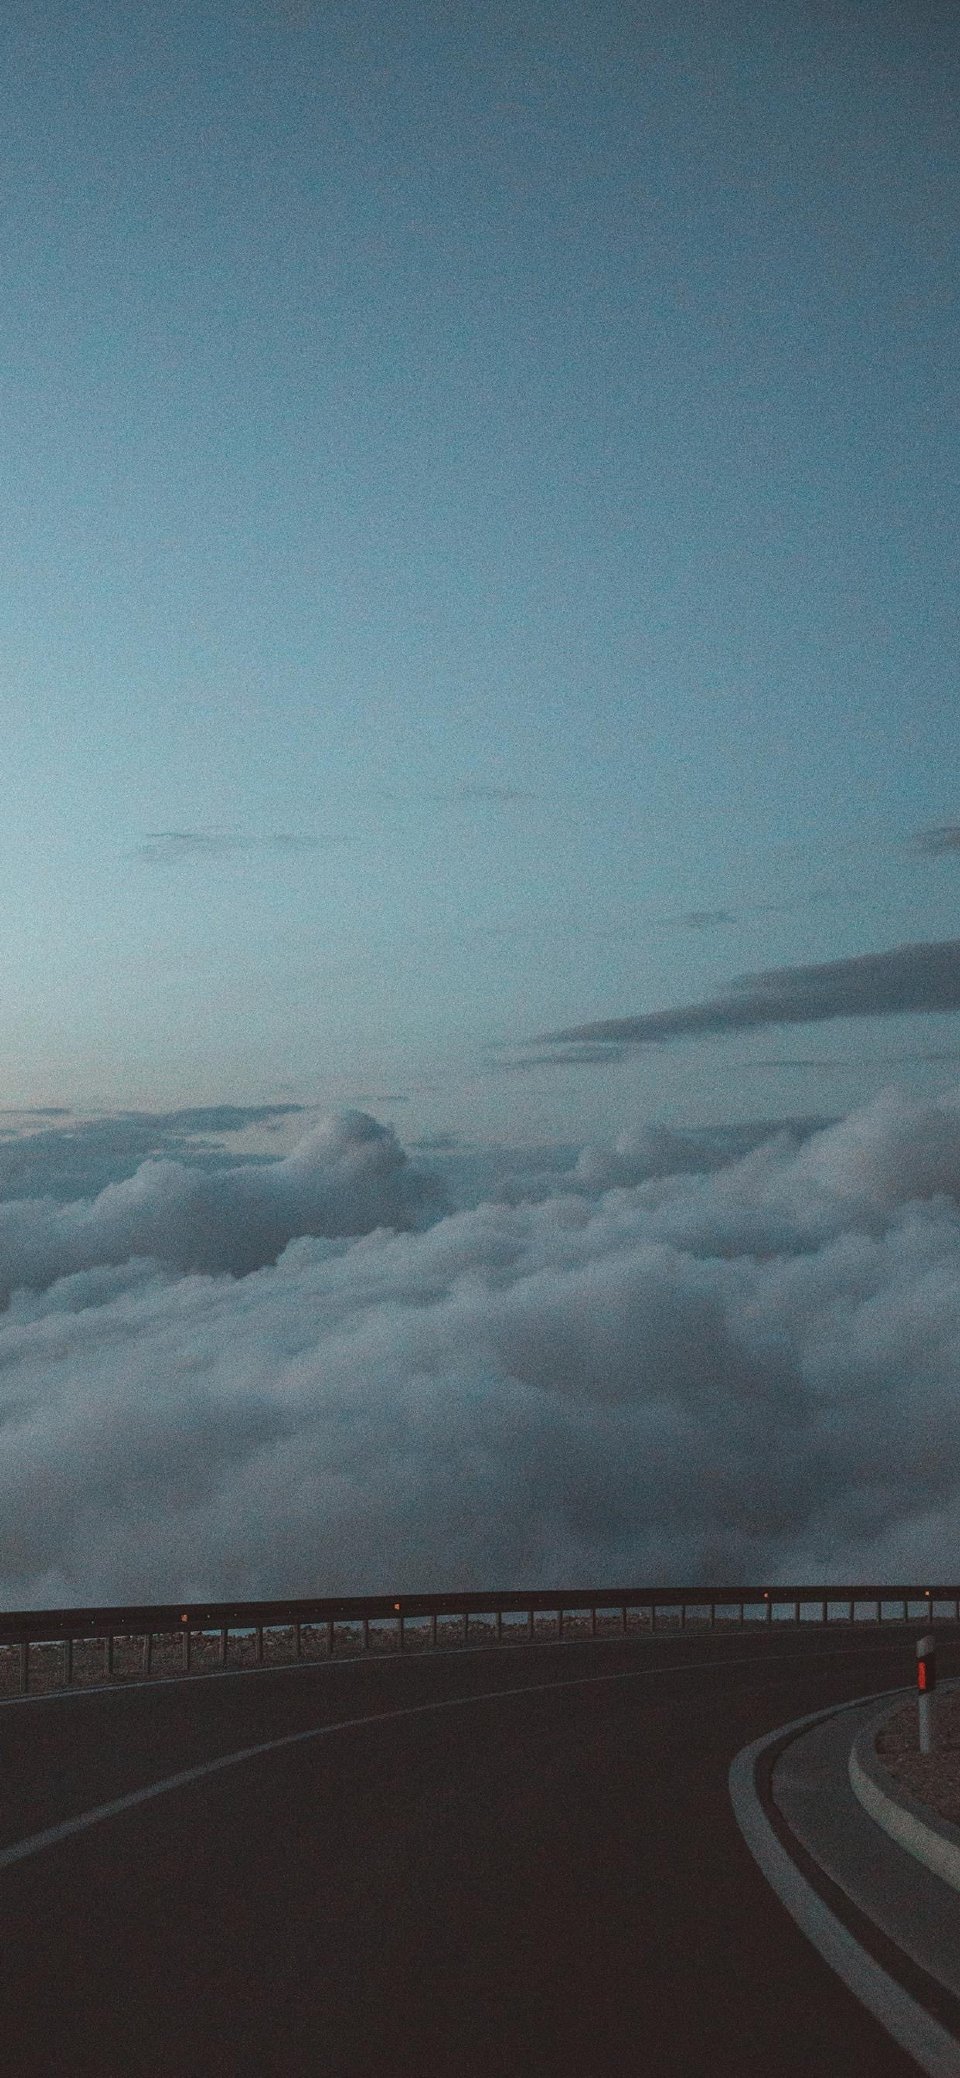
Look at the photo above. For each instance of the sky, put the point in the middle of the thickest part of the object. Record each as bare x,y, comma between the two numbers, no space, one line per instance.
478,642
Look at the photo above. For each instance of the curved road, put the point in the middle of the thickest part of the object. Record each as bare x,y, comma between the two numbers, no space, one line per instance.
541,1876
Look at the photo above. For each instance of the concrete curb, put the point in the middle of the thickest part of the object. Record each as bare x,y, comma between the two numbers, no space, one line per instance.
931,1840
904,2012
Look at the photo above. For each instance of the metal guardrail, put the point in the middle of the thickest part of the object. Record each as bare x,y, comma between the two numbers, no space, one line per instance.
134,1639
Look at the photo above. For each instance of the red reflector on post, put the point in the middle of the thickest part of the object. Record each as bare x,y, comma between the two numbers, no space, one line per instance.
926,1664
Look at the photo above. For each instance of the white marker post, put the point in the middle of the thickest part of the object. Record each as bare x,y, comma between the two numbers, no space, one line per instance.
926,1683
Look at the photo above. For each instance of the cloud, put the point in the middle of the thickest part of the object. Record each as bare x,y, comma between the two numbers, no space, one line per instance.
683,1363
572,1057
938,842
383,1097
469,790
705,919
35,1110
79,1159
347,1177
711,919
169,847
870,984
861,1061
482,790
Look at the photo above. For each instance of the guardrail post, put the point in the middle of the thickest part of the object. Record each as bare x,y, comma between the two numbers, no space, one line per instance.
593,1623
559,1625
186,1648
330,1637
110,1655
713,1616
926,1684
796,1611
365,1634
259,1645
297,1643
68,1669
624,1613
433,1629
400,1644
741,1616
466,1626
530,1627
148,1653
223,1644
499,1626
24,1666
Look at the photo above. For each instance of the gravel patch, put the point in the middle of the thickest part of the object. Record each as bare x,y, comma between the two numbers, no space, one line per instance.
934,1778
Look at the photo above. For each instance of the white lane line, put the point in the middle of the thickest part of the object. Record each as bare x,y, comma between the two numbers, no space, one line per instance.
49,1837
123,1687
932,2048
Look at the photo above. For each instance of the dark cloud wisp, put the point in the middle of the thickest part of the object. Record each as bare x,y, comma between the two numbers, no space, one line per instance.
169,847
939,842
572,1057
870,984
705,919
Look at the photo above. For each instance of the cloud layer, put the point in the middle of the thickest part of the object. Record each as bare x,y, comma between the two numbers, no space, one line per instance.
870,984
78,1157
678,1362
347,1177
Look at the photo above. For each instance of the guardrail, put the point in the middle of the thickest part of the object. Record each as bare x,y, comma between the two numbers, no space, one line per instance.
44,1649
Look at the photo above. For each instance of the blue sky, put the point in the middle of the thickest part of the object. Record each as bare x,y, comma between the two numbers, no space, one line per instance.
478,493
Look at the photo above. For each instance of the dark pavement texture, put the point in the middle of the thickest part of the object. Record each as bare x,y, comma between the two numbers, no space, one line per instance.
545,1884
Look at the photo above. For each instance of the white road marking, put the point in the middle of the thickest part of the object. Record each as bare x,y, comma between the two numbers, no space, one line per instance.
122,1686
51,1835
932,2048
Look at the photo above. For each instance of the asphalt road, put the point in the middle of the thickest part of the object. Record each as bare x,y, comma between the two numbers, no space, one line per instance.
529,1884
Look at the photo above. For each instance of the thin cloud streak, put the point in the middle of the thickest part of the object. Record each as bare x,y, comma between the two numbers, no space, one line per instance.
923,977
469,790
939,842
171,847
574,1057
863,1060
704,919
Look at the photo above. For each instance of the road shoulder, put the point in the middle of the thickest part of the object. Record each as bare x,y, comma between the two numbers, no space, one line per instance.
831,1868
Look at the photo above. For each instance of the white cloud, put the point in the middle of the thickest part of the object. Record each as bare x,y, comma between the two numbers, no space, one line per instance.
344,1178
744,1370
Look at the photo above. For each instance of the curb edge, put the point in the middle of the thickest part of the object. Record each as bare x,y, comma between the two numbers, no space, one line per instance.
931,1840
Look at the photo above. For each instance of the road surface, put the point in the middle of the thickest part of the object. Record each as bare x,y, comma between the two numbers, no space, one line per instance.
542,1876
